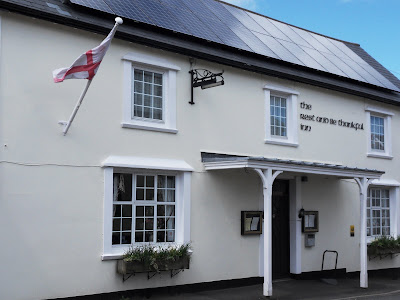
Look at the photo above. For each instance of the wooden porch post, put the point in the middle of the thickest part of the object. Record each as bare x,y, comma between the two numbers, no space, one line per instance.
267,177
363,185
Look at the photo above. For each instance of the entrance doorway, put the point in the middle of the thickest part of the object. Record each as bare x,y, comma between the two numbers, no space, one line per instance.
280,229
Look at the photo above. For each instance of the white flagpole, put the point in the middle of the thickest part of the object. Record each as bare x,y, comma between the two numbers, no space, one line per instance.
78,104
118,21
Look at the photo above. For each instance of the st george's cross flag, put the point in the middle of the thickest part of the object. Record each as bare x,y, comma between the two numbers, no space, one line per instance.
86,65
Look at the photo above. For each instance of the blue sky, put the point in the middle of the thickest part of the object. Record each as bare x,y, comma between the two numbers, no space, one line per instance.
374,24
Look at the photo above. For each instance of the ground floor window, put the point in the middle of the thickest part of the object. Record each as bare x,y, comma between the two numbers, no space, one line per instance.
378,212
143,208
146,200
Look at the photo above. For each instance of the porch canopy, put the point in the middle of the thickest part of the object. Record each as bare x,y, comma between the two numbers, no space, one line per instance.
269,168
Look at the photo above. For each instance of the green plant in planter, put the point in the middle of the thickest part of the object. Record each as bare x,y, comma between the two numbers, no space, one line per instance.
384,245
156,258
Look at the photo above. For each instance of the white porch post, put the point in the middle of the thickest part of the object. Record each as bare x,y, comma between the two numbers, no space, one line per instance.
267,177
363,185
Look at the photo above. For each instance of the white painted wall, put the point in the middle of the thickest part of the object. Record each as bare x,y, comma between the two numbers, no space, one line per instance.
51,214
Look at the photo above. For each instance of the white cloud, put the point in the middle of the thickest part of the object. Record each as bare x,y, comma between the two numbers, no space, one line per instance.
248,4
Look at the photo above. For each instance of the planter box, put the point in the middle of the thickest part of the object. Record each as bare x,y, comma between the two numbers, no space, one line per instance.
132,267
382,252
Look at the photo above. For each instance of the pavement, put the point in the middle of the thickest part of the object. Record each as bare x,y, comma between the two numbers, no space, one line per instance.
290,289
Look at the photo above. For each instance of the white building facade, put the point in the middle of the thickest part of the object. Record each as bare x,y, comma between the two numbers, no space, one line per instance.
259,139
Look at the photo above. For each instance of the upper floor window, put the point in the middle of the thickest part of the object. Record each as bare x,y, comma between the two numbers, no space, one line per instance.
281,116
149,93
379,132
278,116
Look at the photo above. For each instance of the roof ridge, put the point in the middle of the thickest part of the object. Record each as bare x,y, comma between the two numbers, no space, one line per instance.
261,15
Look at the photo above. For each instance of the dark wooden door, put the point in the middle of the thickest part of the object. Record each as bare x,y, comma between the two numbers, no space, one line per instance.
280,229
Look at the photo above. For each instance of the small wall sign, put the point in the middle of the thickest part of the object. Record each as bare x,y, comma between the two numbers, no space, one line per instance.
251,222
310,221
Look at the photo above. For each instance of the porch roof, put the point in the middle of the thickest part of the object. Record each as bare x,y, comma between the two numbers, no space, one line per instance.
214,161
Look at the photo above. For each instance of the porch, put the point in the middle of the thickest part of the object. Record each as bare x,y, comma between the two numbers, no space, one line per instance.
268,171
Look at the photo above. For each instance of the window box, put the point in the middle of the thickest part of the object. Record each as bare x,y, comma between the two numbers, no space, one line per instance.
383,246
132,267
154,258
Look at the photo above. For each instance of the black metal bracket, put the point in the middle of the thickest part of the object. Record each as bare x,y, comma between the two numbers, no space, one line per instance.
125,278
176,272
205,79
150,275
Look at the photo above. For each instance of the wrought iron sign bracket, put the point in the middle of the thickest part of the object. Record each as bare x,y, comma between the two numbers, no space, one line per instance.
205,79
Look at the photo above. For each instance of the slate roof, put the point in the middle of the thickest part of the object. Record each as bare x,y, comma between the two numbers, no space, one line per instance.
216,157
245,40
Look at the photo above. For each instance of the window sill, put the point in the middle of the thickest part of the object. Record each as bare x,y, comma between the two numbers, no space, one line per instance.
149,127
281,143
111,256
379,155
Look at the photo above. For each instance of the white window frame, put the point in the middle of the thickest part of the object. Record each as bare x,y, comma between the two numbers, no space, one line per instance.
155,64
291,138
387,116
146,166
394,190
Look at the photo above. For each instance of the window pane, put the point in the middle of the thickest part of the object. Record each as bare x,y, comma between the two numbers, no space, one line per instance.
116,237
138,75
127,210
171,196
157,114
170,236
147,112
117,210
126,224
138,99
140,181
138,111
160,210
170,210
147,100
160,223
139,224
149,181
160,236
148,236
139,236
157,78
150,194
139,211
122,187
138,87
171,223
149,223
161,195
149,211
157,102
116,224
158,90
126,238
139,194
171,182
148,76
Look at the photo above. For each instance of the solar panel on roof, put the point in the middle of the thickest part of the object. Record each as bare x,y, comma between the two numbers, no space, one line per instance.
95,4
245,19
130,10
269,27
277,47
197,27
292,35
305,58
234,27
323,61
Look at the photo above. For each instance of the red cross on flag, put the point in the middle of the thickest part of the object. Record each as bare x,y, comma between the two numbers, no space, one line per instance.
86,65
